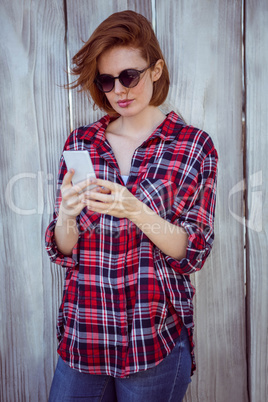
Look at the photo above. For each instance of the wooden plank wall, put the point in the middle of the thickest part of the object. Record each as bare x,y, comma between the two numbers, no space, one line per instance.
204,55
34,123
202,43
256,51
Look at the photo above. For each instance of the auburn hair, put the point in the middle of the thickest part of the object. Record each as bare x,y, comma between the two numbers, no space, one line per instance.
125,28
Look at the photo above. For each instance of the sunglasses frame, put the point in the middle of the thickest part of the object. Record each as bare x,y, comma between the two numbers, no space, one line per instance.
96,81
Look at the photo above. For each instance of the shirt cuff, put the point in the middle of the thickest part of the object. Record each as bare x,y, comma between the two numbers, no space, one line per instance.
197,250
53,252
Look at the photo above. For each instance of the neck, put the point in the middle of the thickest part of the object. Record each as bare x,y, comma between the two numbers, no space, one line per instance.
143,124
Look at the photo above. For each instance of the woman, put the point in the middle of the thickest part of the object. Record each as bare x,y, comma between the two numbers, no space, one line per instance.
125,324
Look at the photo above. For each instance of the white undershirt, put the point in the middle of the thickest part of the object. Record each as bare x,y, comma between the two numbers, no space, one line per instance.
125,178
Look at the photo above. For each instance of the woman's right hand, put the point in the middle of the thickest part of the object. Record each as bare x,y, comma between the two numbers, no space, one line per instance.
66,231
73,196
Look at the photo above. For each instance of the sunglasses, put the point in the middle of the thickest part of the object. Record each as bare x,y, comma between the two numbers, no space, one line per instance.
129,78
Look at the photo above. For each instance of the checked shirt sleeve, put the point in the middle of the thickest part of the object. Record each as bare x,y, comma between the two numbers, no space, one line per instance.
54,254
197,217
51,247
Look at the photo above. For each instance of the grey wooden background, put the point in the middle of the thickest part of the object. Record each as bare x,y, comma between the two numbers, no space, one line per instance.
217,85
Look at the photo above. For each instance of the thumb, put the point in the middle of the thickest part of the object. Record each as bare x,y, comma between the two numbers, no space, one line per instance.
67,180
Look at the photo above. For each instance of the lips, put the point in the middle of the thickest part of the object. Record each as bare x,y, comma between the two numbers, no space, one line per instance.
124,103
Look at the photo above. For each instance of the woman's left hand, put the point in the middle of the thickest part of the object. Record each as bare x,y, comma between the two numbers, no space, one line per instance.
112,199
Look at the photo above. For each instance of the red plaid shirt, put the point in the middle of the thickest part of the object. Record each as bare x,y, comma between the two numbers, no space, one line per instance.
124,300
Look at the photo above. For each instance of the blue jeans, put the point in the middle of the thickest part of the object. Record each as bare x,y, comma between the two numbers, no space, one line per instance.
166,382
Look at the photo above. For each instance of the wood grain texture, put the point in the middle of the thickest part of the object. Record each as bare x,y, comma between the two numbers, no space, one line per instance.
34,118
256,47
202,44
203,51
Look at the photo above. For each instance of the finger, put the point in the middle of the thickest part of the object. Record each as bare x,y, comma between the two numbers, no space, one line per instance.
102,197
101,208
68,177
106,184
70,192
103,190
88,184
98,189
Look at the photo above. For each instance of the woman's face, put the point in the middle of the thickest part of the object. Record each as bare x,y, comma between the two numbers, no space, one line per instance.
128,101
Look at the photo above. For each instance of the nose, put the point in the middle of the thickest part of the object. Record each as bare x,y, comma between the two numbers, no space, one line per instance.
118,87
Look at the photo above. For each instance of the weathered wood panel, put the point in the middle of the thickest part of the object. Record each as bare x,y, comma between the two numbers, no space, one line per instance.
34,114
202,43
256,52
203,50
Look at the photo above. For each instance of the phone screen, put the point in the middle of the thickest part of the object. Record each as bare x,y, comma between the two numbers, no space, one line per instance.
81,162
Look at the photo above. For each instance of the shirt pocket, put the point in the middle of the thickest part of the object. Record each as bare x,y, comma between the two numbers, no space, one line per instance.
157,194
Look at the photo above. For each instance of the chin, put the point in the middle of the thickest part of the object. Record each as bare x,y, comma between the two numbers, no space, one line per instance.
130,111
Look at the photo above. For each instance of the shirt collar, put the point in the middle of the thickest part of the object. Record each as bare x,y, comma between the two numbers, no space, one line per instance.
167,130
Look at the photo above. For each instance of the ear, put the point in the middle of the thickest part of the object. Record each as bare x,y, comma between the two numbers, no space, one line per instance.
157,70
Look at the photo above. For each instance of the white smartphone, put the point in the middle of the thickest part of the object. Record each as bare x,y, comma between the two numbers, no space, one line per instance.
81,162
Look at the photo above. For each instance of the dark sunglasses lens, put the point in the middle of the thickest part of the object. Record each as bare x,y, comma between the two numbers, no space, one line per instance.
129,78
105,83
